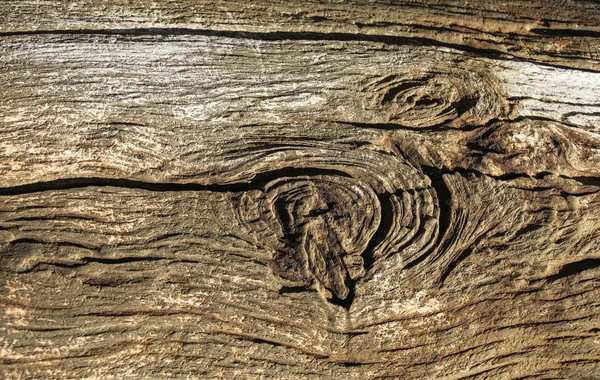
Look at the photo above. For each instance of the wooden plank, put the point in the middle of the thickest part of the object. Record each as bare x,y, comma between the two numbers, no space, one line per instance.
220,190
561,32
171,108
103,279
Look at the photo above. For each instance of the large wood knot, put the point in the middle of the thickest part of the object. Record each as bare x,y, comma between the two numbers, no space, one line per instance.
327,230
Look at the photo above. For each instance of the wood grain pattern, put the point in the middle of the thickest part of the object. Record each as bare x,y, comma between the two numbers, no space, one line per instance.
223,190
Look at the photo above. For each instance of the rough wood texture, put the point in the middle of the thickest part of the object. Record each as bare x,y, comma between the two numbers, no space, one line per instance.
263,190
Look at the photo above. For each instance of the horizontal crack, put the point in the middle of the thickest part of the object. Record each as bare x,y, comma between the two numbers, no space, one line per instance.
265,36
257,182
435,172
566,32
574,268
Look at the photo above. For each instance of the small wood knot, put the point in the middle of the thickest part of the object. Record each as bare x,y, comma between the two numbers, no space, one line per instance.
434,98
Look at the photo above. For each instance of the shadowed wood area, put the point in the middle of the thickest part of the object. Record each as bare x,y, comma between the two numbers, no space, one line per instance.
364,190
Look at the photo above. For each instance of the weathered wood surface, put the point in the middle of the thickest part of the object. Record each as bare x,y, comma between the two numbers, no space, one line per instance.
407,190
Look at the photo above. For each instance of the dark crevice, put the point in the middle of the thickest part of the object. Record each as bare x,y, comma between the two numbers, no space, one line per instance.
566,194
124,123
575,113
587,181
283,215
465,104
346,303
566,32
395,126
387,219
257,182
264,341
323,211
527,229
440,127
294,289
554,101
119,260
483,149
463,255
55,264
54,243
350,364
385,224
434,172
263,36
563,122
575,268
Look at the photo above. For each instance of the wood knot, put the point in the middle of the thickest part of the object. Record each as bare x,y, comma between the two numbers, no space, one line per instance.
432,99
325,223
327,231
